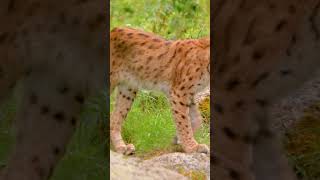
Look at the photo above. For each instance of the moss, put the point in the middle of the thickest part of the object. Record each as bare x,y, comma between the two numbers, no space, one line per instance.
303,144
192,174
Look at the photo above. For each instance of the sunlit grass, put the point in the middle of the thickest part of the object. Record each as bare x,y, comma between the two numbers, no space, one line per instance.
150,125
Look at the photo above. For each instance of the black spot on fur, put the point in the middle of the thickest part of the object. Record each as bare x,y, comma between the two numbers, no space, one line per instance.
156,40
81,1
229,133
73,121
11,6
272,6
143,35
218,108
262,102
79,98
44,109
1,72
292,9
56,150
239,104
59,116
232,84
260,78
4,36
234,174
280,25
214,160
285,72
257,55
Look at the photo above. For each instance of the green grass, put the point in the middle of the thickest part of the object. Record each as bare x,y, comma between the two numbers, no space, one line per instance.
169,18
149,125
85,158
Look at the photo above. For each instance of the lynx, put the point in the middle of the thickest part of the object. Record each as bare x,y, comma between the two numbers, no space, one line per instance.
263,50
180,69
57,49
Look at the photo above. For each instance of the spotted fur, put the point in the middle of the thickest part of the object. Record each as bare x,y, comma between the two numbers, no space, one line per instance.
57,49
180,69
263,50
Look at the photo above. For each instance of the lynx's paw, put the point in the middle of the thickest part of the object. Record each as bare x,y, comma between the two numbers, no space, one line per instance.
126,149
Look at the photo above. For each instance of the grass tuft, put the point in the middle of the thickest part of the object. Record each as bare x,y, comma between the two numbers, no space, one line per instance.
303,145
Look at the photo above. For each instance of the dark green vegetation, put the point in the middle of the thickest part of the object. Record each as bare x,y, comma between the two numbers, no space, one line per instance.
303,144
149,125
85,158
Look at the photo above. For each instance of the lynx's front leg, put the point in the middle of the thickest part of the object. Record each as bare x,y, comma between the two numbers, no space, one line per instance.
180,107
124,101
196,120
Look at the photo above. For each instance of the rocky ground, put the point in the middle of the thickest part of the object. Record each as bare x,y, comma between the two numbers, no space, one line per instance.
197,166
173,166
290,109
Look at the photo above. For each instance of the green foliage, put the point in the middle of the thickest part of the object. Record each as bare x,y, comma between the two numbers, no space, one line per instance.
169,18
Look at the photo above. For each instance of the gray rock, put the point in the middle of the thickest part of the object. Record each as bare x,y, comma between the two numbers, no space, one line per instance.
188,162
128,168
164,167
